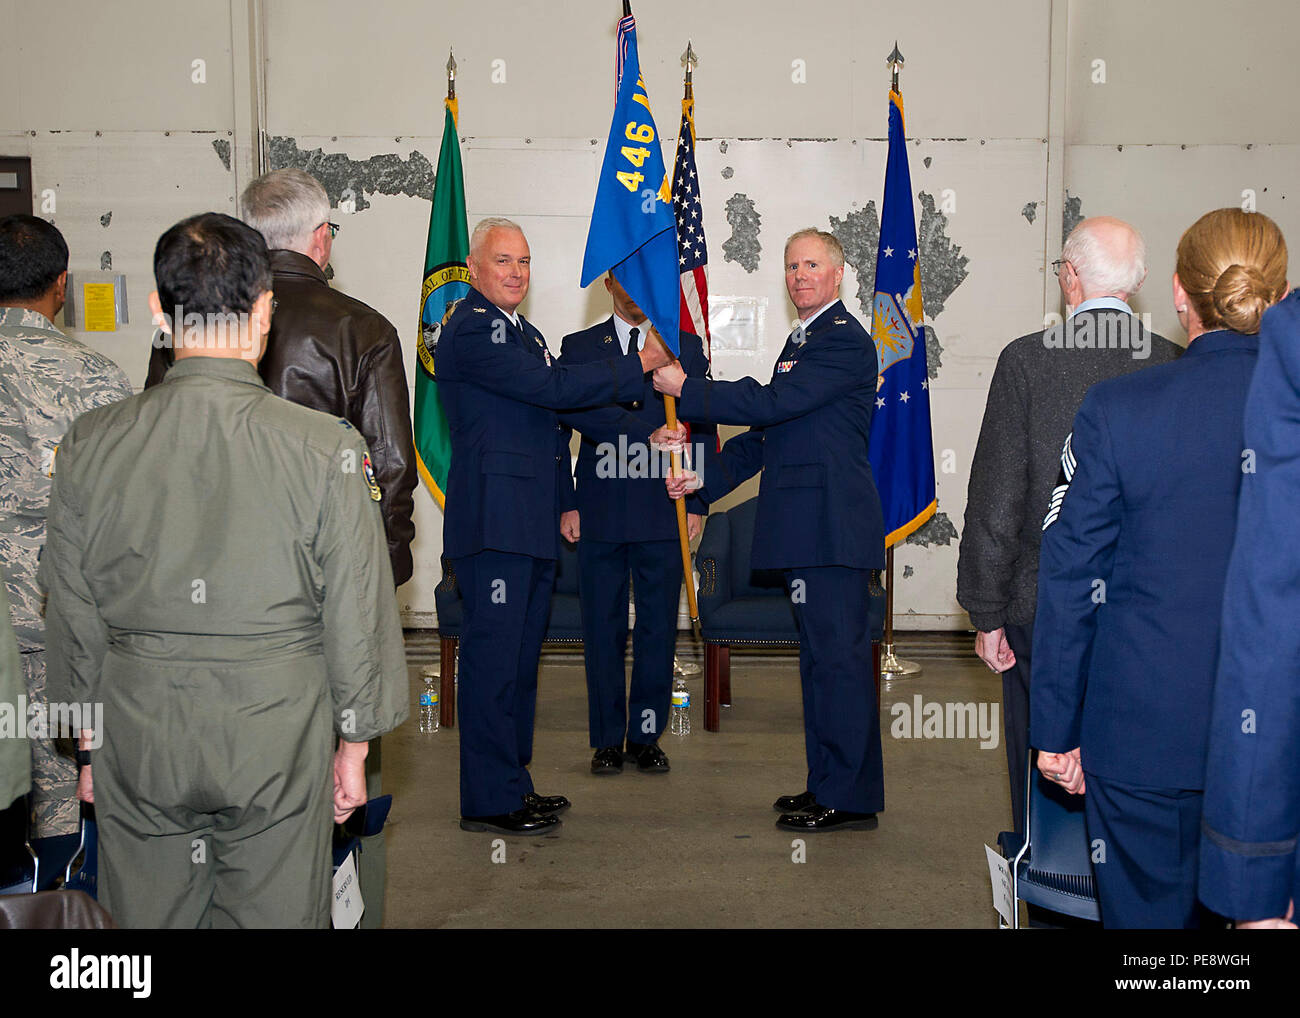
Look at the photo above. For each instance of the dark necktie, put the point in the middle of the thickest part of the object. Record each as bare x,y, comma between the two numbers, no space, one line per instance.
631,341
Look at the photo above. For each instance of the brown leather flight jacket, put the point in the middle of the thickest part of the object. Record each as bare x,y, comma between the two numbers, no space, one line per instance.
335,354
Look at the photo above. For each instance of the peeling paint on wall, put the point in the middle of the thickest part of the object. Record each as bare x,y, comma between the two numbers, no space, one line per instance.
106,261
742,247
859,235
1071,215
907,572
727,173
938,529
338,172
1030,211
106,218
933,352
222,147
928,160
722,147
943,266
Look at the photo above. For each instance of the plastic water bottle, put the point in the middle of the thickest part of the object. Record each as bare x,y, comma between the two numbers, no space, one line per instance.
429,714
679,720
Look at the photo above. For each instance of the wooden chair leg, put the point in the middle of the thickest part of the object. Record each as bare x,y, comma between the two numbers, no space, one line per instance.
712,678
724,676
447,682
875,668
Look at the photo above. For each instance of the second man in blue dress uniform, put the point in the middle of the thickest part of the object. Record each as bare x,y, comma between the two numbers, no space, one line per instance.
819,520
626,526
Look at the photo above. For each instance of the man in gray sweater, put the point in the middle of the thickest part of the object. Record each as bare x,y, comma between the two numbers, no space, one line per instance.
1037,387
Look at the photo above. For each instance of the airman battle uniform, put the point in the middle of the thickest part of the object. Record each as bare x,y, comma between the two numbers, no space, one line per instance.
47,380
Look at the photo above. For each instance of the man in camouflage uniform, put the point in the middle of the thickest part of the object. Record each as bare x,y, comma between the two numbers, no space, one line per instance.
15,759
46,381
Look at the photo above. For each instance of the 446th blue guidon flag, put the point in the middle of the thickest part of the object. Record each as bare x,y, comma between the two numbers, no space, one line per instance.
902,452
633,230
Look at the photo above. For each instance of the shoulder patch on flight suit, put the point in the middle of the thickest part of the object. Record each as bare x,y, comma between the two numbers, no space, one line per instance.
369,472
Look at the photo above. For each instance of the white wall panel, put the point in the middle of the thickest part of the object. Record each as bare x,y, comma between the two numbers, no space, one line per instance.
76,65
1195,110
1163,189
1182,72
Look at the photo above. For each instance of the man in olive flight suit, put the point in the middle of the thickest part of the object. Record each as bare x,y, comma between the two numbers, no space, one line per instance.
218,577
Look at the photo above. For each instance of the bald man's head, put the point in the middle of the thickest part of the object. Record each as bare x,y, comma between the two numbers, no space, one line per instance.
1108,257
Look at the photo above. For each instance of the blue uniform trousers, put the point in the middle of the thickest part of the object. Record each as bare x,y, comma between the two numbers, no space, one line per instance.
507,602
656,571
1151,838
840,715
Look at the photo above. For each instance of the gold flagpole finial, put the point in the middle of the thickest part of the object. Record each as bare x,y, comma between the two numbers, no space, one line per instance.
689,61
451,74
895,62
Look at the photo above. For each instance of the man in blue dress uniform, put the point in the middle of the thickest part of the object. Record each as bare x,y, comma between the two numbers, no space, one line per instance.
819,519
508,482
628,527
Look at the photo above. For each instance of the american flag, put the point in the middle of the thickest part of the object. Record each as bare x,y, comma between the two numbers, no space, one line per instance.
692,255
625,26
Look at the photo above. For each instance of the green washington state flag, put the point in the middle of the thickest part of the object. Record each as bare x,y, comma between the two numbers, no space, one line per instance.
446,280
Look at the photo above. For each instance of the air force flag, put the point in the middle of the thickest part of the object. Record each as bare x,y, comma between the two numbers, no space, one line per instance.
902,454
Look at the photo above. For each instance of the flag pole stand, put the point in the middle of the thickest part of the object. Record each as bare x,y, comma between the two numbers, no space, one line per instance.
892,666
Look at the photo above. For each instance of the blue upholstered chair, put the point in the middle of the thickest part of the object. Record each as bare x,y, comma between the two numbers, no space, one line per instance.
745,607
565,625
1053,867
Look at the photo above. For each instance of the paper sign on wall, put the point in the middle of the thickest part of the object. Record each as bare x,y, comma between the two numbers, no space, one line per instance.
100,301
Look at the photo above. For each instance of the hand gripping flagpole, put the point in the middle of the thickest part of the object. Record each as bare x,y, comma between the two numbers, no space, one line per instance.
688,573
892,666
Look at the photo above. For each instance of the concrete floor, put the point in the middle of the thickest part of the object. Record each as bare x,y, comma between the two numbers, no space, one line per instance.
698,847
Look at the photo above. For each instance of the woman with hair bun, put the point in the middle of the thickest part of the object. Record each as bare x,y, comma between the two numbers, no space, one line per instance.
1130,589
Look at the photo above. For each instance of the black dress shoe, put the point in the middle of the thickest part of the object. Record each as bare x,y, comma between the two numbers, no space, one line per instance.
521,821
608,761
546,805
650,759
801,803
826,819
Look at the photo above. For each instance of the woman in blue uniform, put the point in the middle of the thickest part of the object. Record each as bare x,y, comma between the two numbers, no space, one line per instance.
1134,555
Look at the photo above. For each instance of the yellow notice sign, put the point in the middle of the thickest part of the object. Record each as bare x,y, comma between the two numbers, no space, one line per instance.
101,307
